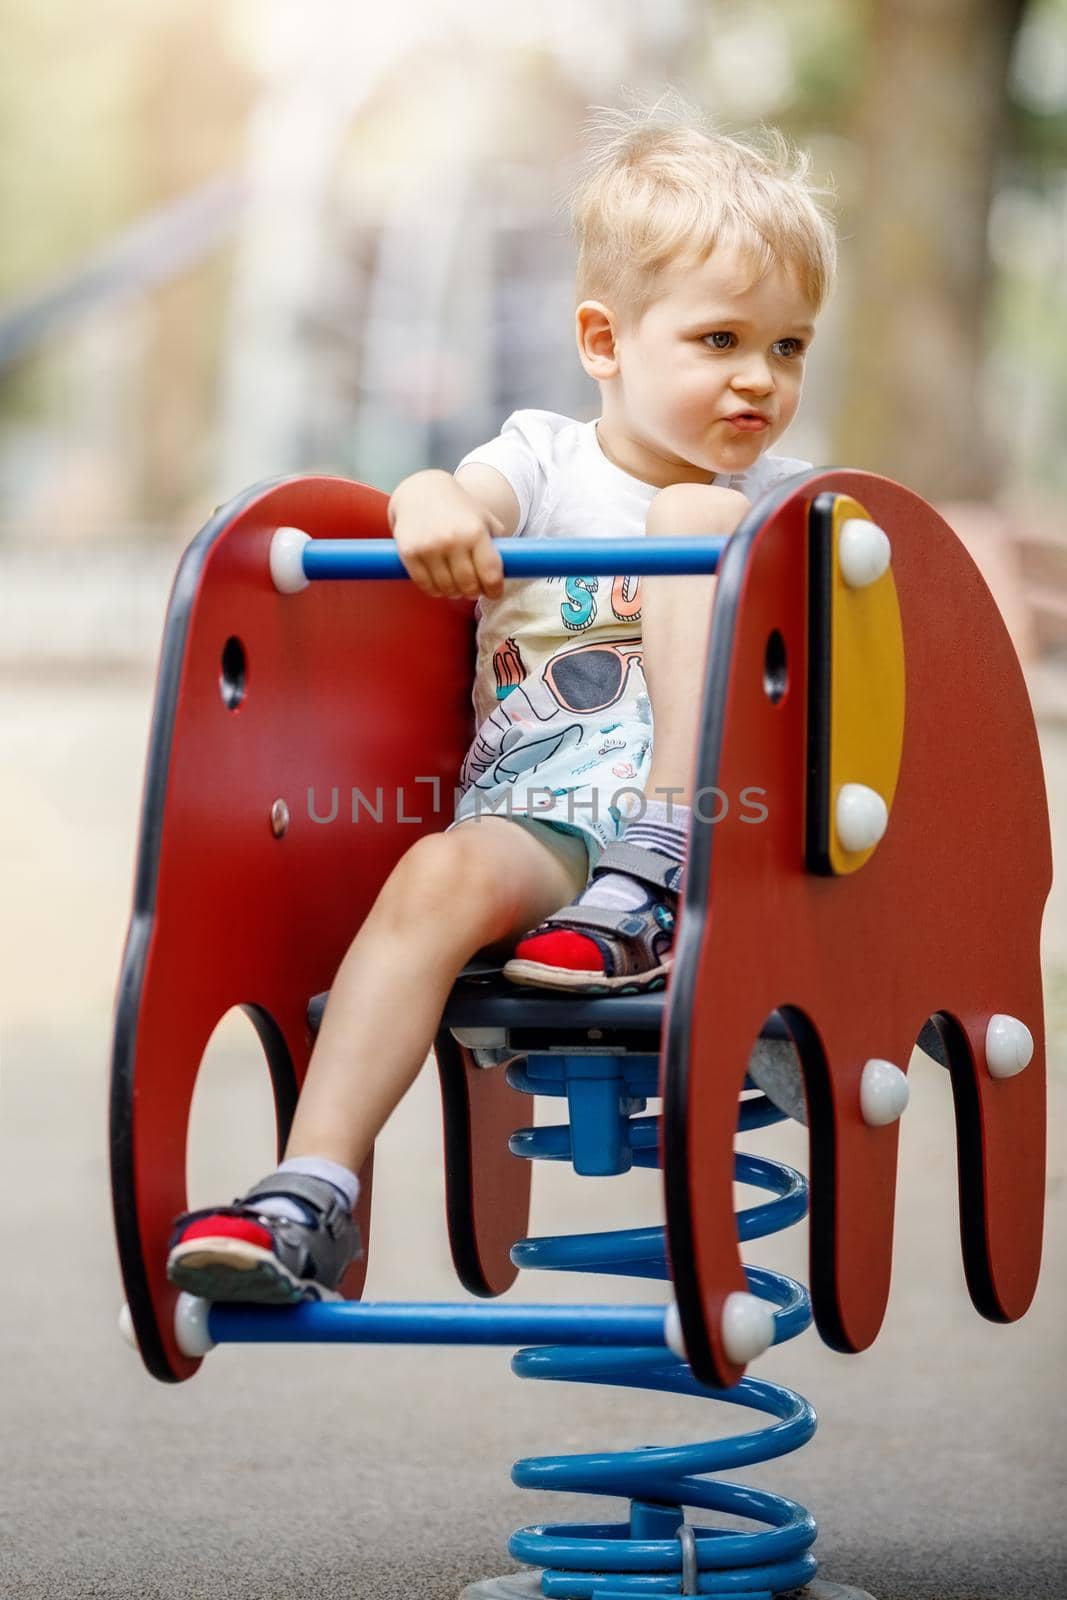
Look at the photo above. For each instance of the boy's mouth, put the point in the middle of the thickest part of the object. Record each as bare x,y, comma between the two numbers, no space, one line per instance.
747,421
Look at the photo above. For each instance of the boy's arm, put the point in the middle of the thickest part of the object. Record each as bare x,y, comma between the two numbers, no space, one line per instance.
444,529
493,493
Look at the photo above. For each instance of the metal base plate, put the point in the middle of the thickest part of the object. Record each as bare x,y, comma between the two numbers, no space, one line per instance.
512,1586
527,1586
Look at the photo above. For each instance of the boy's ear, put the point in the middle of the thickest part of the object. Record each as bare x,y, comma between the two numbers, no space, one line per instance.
594,327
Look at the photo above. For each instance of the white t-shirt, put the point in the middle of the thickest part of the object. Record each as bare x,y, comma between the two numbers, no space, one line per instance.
559,693
567,488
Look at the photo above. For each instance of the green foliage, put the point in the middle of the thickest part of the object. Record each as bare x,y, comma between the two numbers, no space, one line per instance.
1039,141
1037,92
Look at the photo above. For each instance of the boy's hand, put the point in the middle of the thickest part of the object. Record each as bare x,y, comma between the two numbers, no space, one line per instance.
445,538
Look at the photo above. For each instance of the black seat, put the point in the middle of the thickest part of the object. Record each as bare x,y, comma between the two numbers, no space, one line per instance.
533,1019
543,1020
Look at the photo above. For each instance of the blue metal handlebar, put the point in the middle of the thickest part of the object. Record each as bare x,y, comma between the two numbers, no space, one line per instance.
527,558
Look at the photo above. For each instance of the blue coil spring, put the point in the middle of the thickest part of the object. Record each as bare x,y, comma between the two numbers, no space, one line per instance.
656,1552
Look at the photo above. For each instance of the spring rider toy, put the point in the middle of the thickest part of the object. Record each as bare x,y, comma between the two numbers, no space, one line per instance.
858,674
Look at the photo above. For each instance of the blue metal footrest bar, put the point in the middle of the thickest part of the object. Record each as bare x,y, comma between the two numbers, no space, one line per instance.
348,1322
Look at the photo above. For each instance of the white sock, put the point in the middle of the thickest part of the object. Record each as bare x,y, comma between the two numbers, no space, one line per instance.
332,1172
663,827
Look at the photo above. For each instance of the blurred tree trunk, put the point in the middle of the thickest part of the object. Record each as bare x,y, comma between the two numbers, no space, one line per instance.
929,122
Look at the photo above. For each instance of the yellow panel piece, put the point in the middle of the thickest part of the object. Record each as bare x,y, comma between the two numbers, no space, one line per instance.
866,687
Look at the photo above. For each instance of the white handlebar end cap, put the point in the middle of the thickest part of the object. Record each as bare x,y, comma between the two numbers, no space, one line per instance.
190,1325
287,560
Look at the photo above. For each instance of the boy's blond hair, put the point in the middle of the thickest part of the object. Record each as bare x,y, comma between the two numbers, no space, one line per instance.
658,184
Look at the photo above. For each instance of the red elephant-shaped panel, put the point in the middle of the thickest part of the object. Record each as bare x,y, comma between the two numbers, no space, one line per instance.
943,921
255,872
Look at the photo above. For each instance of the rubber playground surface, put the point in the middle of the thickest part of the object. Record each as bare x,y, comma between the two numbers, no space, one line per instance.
937,1473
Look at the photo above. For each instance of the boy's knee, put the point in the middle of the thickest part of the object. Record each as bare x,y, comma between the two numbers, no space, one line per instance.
433,865
442,873
695,508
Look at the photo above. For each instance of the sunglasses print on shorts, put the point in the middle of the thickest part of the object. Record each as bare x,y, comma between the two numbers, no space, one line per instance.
592,677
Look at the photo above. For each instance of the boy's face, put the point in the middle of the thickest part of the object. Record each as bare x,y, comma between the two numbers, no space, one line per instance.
711,375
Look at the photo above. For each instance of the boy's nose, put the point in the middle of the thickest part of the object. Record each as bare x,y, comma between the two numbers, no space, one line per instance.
753,376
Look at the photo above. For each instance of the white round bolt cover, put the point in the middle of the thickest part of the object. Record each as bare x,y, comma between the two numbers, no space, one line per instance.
863,552
126,1326
883,1093
287,560
747,1327
861,816
1009,1046
672,1331
190,1325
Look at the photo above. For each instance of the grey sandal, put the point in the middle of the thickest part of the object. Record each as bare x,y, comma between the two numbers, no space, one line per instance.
636,946
239,1253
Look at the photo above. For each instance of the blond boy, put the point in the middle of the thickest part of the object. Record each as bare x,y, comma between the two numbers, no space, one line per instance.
703,265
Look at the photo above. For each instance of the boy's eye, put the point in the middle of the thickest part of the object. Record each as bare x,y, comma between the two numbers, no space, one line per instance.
720,341
789,348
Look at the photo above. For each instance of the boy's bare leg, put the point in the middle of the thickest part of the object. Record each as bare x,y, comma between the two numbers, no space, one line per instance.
481,886
675,622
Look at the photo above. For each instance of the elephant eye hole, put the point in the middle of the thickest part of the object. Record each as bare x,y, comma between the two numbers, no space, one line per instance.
775,669
233,676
